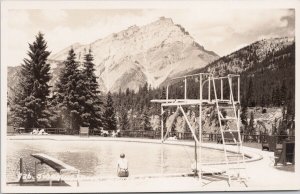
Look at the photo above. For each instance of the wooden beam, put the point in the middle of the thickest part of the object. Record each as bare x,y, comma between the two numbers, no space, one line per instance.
185,88
162,124
189,124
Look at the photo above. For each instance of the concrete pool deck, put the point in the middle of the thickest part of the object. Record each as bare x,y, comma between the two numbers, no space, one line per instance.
260,170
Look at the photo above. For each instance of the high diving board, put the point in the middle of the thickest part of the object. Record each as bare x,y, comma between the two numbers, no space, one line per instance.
177,102
54,163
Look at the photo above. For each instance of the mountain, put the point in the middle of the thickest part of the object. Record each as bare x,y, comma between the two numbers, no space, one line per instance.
267,70
249,56
12,80
150,53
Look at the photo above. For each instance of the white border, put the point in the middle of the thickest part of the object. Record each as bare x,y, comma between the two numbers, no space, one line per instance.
216,4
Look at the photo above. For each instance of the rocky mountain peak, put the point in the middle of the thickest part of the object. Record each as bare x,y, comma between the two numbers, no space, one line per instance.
139,54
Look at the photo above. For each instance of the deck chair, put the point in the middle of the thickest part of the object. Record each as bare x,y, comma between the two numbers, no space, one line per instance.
285,154
84,131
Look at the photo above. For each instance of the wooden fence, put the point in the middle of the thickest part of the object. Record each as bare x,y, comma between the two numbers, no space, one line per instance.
206,137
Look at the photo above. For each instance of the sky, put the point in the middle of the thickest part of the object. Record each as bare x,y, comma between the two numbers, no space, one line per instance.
222,31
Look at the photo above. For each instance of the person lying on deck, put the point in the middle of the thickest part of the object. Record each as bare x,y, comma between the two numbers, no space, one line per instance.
35,132
123,166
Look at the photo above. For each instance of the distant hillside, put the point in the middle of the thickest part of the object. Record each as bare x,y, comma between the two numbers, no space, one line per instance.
268,64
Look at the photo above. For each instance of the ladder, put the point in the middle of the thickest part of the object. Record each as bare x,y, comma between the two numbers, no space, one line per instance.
231,136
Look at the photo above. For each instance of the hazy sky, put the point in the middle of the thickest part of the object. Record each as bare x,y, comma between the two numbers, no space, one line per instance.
221,31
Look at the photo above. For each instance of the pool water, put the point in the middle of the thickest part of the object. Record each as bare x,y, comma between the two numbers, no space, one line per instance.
99,158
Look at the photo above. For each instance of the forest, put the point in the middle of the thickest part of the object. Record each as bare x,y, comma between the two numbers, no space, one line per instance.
77,101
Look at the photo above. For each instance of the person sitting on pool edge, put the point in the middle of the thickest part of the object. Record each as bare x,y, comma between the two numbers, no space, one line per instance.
123,166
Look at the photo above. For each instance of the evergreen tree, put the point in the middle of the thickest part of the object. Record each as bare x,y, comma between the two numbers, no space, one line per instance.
110,122
146,126
124,123
69,94
244,117
92,102
250,100
29,106
283,91
251,124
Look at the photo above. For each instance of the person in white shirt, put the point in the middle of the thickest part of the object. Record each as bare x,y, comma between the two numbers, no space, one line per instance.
123,166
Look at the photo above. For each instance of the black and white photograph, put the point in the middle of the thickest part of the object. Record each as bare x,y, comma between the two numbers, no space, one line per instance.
154,96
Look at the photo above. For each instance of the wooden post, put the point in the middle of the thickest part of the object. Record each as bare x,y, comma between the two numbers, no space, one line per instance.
231,89
196,159
35,172
167,93
162,124
209,88
21,171
221,89
238,89
200,126
185,87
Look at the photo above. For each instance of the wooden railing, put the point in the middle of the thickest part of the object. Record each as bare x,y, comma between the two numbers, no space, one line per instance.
61,131
206,137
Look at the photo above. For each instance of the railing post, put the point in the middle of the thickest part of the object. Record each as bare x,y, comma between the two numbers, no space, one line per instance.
35,172
167,93
21,171
185,87
221,89
162,124
238,89
209,88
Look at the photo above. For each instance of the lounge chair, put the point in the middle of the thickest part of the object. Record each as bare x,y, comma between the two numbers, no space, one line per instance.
84,131
285,154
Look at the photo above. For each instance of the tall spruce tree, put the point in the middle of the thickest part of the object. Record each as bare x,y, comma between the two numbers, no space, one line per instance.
244,118
146,125
110,122
29,106
124,123
92,113
69,94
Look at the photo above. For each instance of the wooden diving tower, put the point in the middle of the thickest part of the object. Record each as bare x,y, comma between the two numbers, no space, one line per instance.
224,94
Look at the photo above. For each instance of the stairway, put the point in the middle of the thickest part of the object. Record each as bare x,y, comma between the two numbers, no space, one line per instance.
228,116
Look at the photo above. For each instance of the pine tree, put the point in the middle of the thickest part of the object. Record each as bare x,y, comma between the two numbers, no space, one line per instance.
29,106
283,91
110,122
251,124
92,102
244,117
124,123
250,100
146,126
69,95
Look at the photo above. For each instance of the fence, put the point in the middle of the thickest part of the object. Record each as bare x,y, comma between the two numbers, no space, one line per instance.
21,130
207,137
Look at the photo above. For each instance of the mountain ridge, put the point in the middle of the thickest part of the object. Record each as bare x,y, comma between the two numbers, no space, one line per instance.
159,50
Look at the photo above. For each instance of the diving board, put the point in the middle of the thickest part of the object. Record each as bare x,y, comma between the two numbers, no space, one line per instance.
54,163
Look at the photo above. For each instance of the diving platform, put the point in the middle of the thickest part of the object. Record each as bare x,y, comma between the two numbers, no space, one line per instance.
58,165
55,164
220,92
176,102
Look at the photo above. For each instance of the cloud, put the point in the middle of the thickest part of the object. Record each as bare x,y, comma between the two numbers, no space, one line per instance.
219,30
54,15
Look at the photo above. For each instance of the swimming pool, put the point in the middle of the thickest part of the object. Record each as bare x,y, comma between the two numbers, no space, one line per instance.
99,158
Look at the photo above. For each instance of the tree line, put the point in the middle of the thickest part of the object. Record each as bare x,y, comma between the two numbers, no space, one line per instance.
76,99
